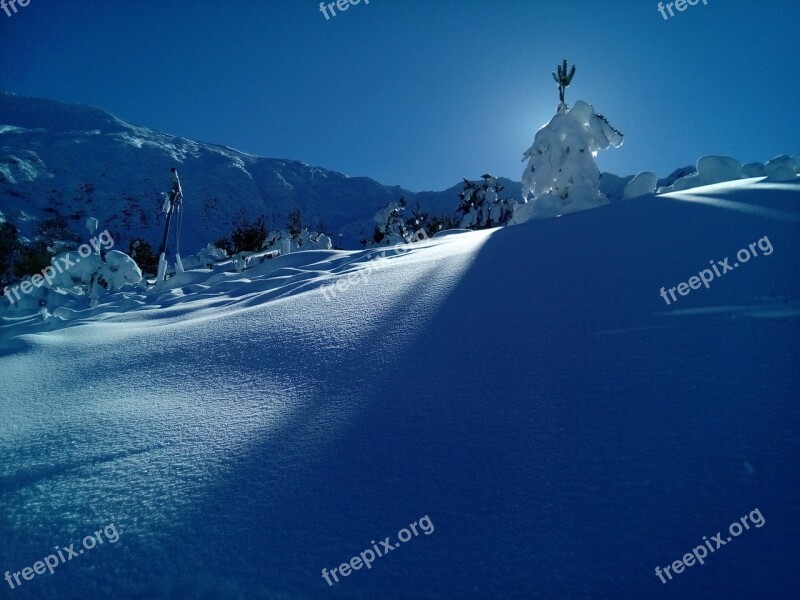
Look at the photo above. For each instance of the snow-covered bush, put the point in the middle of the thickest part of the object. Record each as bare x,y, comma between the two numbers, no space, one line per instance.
205,258
304,239
561,174
81,274
297,236
118,271
74,273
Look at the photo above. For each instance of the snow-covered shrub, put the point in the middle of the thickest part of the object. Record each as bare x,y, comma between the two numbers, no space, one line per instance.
79,274
74,273
205,257
296,236
118,270
284,242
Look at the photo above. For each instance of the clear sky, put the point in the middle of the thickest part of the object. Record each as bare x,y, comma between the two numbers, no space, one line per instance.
420,93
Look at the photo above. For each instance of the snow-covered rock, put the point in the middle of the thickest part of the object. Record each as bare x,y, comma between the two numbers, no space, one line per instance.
204,258
753,169
710,169
781,168
644,183
119,270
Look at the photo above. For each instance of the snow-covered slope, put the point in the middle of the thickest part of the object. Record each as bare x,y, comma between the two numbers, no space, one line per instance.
527,389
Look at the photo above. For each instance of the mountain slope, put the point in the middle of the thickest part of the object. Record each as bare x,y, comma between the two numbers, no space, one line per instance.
79,161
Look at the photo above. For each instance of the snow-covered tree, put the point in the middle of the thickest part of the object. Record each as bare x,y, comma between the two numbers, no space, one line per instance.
481,206
561,174
390,228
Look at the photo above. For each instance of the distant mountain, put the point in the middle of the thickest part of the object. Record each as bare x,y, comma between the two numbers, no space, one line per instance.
79,161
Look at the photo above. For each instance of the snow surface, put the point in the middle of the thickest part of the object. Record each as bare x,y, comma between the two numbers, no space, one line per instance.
526,388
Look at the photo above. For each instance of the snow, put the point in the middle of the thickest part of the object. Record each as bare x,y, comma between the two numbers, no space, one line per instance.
754,169
641,185
781,168
525,387
718,169
710,169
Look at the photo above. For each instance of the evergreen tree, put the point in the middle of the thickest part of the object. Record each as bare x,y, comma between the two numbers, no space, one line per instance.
247,235
141,251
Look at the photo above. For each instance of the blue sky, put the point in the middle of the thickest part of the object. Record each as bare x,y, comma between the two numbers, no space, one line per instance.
420,93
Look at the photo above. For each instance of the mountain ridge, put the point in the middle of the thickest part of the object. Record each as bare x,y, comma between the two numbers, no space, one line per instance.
77,161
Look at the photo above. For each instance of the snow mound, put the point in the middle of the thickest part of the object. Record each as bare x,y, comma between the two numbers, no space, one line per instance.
710,169
644,183
74,273
119,270
781,168
753,169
